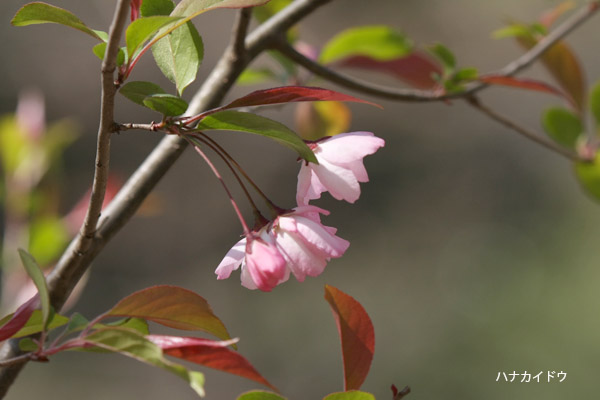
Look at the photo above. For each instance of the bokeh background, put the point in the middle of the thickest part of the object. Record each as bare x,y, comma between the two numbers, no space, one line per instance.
474,251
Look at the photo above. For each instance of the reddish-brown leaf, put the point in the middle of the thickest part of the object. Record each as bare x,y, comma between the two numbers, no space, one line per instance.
210,353
524,83
416,69
171,306
564,66
291,94
19,318
356,334
550,16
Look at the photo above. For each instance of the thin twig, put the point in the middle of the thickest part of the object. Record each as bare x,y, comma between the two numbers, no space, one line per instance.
411,95
529,134
144,127
240,32
82,243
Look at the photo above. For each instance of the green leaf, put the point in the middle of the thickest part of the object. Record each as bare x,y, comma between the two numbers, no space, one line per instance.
260,395
48,237
351,395
595,102
466,74
513,30
378,42
142,29
27,345
38,278
588,174
137,324
266,11
100,49
445,56
151,8
35,324
134,345
563,126
171,306
193,8
137,91
166,104
255,76
42,13
179,54
77,323
252,123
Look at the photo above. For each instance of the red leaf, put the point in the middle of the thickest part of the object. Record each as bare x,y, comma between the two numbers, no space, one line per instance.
356,334
19,318
416,69
210,353
564,66
171,306
291,94
523,83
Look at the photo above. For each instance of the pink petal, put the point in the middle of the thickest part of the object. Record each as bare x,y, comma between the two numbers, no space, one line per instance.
317,237
309,187
348,147
301,260
266,265
339,181
232,260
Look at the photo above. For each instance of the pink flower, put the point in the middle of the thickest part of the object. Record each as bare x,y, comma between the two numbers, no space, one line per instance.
263,266
306,244
295,242
340,167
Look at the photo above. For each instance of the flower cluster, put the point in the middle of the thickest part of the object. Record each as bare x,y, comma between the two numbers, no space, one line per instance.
296,241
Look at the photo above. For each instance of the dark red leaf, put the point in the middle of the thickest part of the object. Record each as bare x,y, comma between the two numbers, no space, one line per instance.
171,306
357,336
416,69
523,83
210,353
291,94
19,318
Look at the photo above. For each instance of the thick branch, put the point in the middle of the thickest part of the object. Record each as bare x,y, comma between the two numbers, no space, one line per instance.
82,243
412,95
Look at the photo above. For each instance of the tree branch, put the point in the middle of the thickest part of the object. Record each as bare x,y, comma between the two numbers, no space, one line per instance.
75,262
82,243
412,95
529,134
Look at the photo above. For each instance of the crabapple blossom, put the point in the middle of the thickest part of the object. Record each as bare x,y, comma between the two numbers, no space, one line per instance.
305,243
340,167
294,242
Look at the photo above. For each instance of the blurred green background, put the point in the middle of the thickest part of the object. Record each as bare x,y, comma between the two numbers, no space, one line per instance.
474,251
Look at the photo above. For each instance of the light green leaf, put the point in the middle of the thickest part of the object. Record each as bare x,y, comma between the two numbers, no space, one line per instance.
38,278
193,8
35,324
513,30
378,42
100,50
137,91
563,126
42,13
48,237
350,395
252,123
166,104
77,323
466,74
137,324
27,345
588,174
179,54
151,8
255,76
595,102
445,56
142,29
260,395
136,346
266,11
